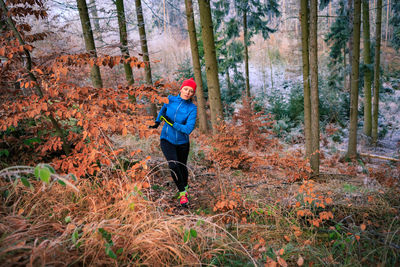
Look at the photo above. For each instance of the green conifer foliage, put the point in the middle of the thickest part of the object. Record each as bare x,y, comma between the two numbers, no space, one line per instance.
395,22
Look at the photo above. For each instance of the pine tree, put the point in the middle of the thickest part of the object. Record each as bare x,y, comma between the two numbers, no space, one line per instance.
395,23
255,17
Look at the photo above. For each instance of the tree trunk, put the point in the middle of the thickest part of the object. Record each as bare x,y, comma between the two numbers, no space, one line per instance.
211,63
387,22
228,83
201,103
145,51
314,86
367,74
246,53
350,44
271,70
89,42
123,36
306,75
377,72
95,18
355,64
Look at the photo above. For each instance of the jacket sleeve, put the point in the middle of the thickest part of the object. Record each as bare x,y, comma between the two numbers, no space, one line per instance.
190,123
162,112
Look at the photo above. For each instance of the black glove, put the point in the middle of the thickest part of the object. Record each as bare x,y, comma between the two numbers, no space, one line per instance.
155,126
167,120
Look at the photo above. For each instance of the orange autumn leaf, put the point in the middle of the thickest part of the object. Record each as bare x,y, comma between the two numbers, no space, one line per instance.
124,131
297,233
363,227
281,251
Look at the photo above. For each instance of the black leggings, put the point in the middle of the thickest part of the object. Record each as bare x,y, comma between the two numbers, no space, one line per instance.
176,156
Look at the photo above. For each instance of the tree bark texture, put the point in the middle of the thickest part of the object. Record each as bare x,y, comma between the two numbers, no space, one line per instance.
95,18
145,51
89,42
246,53
314,87
367,73
350,43
201,103
123,36
377,82
355,65
211,63
304,10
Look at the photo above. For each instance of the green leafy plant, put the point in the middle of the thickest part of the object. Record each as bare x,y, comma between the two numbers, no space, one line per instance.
189,234
109,243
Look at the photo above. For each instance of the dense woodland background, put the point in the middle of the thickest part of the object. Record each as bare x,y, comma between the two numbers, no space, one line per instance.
294,161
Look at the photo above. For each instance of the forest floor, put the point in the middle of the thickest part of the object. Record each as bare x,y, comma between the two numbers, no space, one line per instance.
347,216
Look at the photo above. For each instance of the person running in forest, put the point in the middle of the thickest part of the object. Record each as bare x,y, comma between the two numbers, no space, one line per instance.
179,116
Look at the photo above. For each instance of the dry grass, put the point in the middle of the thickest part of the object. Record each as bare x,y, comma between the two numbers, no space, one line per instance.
45,226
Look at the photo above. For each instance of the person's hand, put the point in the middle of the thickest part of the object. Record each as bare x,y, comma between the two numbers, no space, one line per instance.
167,120
155,126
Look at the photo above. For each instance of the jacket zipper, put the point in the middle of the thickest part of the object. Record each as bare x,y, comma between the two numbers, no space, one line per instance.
176,132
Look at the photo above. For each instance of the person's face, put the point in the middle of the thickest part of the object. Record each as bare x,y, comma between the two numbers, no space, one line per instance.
187,92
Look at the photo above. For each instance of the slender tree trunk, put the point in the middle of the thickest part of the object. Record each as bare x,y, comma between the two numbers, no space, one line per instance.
367,74
28,65
314,86
211,63
377,83
355,64
145,51
123,36
228,83
95,18
306,74
89,42
201,103
246,53
165,18
387,22
271,70
350,44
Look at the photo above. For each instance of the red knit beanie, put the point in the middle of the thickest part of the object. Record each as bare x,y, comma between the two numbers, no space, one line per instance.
191,83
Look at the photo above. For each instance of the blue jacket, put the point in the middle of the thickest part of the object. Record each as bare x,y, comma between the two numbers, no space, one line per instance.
183,115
